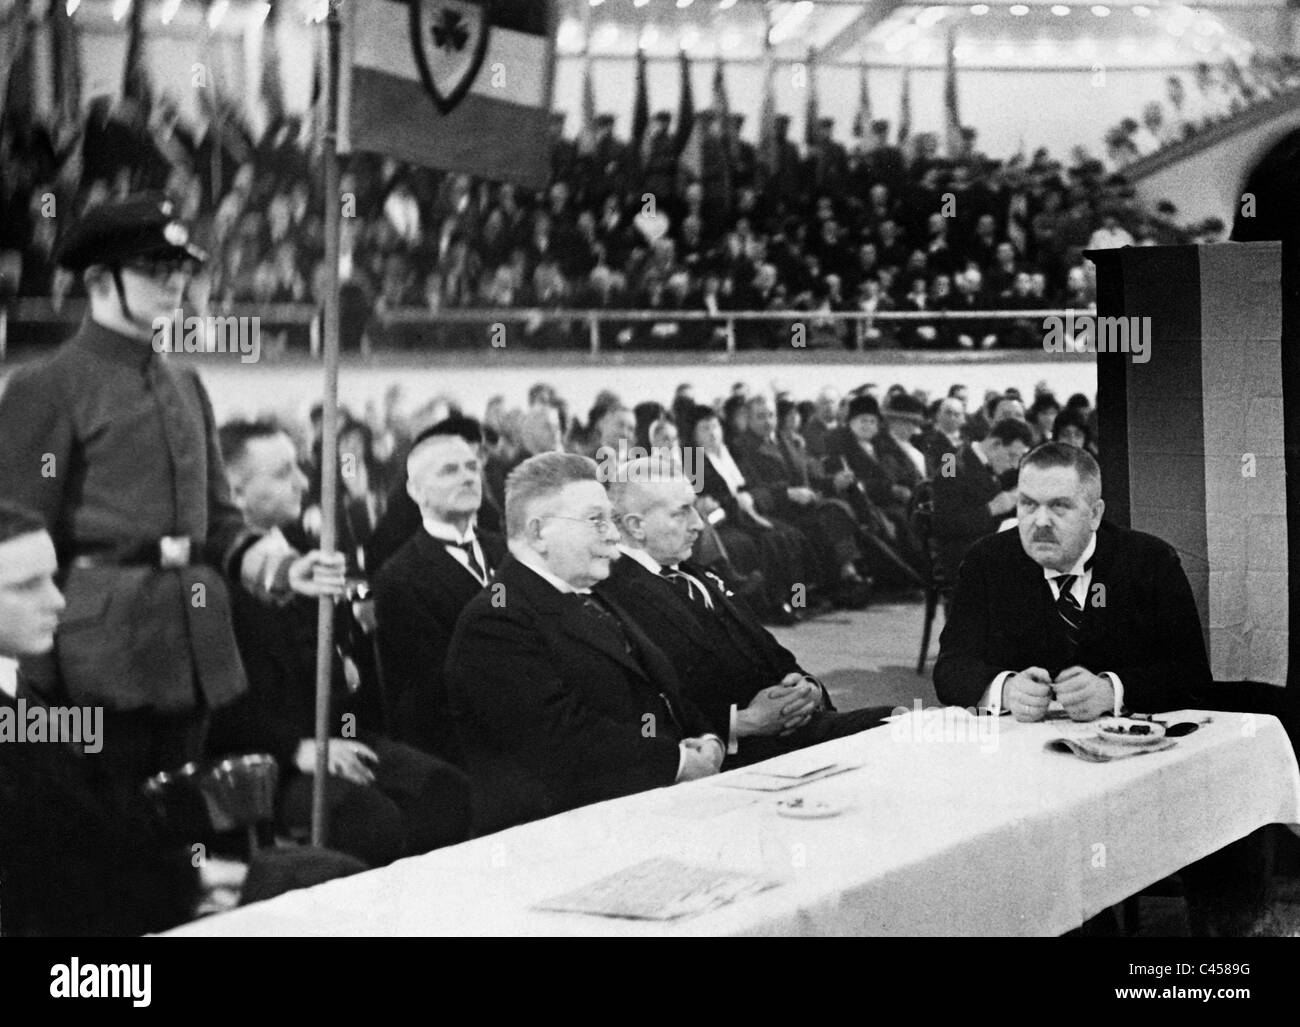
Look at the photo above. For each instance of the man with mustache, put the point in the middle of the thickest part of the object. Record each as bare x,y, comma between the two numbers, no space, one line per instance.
1070,609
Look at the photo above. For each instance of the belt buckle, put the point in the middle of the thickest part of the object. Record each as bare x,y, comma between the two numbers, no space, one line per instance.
173,551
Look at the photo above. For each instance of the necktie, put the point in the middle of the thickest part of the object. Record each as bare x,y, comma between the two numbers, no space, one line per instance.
602,613
1069,610
468,549
688,586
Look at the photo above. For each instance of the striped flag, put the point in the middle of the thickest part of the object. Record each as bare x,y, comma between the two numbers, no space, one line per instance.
271,86
453,84
767,148
951,116
905,108
587,133
640,112
1194,447
811,112
862,120
722,108
686,137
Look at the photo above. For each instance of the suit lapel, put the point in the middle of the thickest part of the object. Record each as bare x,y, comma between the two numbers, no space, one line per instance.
565,613
446,570
659,594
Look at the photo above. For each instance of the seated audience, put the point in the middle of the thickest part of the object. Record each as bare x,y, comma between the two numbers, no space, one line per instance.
978,495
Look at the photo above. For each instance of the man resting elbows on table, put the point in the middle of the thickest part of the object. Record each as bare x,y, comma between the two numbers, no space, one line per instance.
1070,608
1101,620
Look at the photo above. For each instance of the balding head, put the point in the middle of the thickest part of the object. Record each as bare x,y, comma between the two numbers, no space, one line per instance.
654,504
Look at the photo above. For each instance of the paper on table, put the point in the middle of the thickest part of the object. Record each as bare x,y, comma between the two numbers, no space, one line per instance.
1096,749
779,781
658,889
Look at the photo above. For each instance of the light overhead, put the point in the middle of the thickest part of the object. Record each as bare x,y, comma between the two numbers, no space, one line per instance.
217,13
1018,10
1101,11
1142,11
1060,10
120,7
979,9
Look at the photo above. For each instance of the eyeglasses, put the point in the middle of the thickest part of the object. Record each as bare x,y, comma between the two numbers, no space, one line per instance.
600,522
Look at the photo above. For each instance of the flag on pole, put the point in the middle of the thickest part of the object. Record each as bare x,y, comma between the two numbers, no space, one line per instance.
135,73
640,113
862,120
811,112
722,108
687,138
767,148
587,134
905,108
463,85
271,87
951,117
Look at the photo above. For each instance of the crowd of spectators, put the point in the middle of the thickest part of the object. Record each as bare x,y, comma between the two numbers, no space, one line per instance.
808,229
779,477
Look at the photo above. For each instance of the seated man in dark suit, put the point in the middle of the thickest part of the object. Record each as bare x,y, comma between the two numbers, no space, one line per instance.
971,497
749,686
386,799
401,517
423,587
784,489
1100,619
1070,608
78,856
560,699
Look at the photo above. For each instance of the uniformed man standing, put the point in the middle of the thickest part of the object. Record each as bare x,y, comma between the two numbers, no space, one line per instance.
115,446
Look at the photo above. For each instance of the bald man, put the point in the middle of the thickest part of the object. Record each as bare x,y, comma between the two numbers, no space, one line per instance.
751,689
422,588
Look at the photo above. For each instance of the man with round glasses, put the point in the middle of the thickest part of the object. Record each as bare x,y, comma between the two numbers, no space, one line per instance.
116,448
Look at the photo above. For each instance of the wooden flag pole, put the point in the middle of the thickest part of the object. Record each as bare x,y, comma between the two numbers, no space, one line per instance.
329,421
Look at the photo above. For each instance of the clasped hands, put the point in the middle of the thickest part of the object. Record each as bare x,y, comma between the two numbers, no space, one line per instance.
1081,693
780,709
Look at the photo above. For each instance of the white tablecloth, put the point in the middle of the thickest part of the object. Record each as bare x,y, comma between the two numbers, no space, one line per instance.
946,833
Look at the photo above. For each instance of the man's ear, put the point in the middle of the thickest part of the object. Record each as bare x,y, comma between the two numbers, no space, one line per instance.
533,535
1098,508
413,490
237,493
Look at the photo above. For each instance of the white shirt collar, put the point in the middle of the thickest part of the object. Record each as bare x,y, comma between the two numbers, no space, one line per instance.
534,563
1078,570
643,558
9,677
445,532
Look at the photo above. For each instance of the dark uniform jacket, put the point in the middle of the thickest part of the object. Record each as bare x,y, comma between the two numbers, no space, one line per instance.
116,447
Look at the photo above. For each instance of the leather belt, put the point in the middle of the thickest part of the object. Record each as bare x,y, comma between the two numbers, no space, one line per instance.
167,553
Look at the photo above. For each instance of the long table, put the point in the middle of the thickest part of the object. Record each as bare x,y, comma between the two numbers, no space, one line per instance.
950,828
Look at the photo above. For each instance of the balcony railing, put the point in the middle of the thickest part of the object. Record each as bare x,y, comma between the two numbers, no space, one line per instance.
43,311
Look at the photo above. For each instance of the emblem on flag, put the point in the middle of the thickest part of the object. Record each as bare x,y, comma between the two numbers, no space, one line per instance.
450,39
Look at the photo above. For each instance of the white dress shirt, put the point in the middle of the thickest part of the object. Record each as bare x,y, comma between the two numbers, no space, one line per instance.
992,698
444,532
9,677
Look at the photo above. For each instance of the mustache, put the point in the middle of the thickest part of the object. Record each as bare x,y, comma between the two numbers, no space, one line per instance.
1043,535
